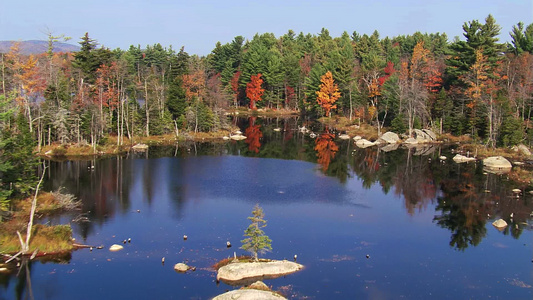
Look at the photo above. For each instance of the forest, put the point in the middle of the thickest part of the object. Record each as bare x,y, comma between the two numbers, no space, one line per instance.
472,86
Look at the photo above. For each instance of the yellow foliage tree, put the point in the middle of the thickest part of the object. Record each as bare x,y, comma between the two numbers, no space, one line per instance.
328,93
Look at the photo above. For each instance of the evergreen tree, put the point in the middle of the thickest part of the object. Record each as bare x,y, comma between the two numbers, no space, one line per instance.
257,241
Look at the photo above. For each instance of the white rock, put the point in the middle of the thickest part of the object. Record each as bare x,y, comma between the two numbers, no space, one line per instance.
239,271
238,132
364,143
500,223
389,138
497,162
522,149
344,137
277,129
115,247
249,294
442,157
517,191
181,267
410,141
458,158
237,137
225,138
357,137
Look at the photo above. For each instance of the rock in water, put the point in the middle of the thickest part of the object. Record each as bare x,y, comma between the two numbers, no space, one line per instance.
497,162
458,158
500,223
115,247
249,294
239,271
181,267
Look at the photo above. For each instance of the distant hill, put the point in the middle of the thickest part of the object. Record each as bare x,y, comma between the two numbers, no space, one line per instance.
37,47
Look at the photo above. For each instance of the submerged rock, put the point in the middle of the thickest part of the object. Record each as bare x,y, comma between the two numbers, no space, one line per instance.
249,294
239,271
500,223
181,267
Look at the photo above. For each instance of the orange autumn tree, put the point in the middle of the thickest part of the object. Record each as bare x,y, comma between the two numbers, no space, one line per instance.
328,93
254,91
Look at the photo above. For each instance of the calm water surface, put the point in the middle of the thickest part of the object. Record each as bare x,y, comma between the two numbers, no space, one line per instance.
425,224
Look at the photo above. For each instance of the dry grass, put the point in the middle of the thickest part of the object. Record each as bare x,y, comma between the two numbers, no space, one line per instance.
56,238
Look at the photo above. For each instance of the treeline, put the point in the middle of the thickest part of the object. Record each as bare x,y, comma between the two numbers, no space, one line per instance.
474,86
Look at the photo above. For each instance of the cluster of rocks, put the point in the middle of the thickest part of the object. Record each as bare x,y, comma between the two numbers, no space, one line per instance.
424,136
238,271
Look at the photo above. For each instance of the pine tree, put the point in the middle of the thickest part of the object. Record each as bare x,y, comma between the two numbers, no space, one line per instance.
257,241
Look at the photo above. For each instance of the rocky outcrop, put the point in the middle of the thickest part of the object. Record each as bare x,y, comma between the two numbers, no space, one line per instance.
431,134
388,138
458,158
421,137
497,163
363,143
249,294
239,271
522,150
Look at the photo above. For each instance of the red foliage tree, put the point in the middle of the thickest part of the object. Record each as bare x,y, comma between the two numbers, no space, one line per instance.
254,91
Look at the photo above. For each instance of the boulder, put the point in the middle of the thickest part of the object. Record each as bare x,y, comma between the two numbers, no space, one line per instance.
500,223
357,137
181,267
344,137
249,294
523,150
410,141
115,247
442,157
458,158
421,137
431,134
389,138
242,270
364,143
497,163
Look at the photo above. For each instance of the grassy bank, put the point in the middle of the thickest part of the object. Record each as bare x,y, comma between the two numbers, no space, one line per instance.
44,239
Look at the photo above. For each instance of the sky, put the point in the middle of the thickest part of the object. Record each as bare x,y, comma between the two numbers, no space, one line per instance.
199,24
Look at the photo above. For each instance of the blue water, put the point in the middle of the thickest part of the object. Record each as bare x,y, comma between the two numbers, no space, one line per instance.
332,226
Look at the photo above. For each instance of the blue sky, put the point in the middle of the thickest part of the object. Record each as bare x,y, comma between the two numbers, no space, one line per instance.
198,25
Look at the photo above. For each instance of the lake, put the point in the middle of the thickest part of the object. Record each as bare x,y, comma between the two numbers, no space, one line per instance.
365,223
